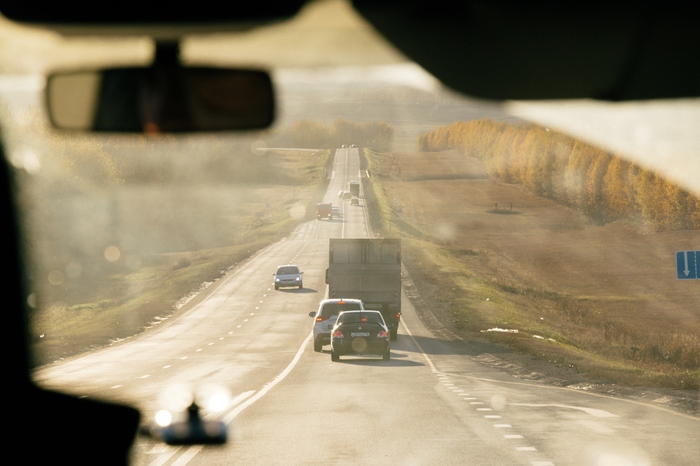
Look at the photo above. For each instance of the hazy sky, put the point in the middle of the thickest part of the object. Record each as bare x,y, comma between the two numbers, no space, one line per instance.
662,135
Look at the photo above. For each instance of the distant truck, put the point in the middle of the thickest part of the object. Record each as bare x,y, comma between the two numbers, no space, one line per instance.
367,269
354,188
324,211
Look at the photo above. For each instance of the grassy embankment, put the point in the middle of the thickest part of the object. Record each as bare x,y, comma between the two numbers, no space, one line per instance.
600,300
109,302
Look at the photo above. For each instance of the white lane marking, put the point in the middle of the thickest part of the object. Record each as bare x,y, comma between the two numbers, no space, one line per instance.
116,386
236,401
230,417
502,426
188,455
476,403
209,344
167,367
526,448
245,320
542,463
164,457
159,448
252,313
192,451
492,416
514,436
168,452
221,338
484,409
420,348
469,398
198,350
145,376
591,411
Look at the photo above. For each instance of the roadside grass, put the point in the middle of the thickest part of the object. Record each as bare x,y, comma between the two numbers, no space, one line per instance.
121,299
478,281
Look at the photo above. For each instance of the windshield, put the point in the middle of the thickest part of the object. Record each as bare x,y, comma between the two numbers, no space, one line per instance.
333,308
355,317
547,304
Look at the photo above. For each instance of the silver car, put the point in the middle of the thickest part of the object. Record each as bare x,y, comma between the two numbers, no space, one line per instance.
288,276
326,316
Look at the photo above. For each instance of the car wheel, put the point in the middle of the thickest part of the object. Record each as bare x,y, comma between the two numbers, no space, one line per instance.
335,357
393,334
317,346
301,285
387,355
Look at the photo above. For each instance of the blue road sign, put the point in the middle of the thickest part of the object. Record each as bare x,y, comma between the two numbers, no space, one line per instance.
688,265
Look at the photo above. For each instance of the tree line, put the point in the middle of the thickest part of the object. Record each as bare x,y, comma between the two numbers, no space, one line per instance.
313,134
601,184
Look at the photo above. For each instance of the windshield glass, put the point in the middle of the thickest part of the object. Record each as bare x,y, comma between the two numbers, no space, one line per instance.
355,317
546,307
334,308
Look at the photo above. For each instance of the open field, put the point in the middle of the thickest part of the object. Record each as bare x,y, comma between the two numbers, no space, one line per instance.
170,241
601,300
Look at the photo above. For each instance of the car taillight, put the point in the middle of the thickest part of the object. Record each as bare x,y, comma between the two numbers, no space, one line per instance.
338,334
381,334
321,318
397,316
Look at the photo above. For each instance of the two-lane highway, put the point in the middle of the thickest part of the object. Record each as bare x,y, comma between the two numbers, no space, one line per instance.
432,403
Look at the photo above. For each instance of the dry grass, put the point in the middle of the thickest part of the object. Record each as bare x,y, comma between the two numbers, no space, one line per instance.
604,299
173,242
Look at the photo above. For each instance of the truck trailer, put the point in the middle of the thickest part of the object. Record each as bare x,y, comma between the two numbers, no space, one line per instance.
368,269
354,188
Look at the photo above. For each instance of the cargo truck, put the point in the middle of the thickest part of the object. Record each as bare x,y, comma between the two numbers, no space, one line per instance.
324,211
354,188
368,269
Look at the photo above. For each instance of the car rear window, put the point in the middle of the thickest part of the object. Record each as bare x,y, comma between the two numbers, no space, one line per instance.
335,308
287,270
359,316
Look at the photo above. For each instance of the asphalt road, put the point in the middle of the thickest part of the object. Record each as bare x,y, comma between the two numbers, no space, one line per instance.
431,404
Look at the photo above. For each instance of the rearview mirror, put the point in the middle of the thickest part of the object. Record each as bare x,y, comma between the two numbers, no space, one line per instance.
161,99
